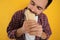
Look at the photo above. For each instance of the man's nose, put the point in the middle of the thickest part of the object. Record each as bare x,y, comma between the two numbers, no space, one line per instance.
34,9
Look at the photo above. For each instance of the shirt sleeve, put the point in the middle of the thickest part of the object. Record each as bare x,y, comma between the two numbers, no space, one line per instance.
14,24
46,26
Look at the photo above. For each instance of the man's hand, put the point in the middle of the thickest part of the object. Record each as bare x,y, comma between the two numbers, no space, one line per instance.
37,31
32,27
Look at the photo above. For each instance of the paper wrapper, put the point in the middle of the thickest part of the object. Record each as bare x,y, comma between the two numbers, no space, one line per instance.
29,16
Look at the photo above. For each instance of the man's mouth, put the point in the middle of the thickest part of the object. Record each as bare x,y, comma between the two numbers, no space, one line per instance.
32,11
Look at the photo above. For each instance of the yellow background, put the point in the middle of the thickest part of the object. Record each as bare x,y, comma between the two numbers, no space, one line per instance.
9,7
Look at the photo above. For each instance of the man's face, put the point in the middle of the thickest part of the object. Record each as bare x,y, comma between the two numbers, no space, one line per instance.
37,6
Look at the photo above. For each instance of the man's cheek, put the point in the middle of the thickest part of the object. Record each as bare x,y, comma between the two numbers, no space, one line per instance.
30,6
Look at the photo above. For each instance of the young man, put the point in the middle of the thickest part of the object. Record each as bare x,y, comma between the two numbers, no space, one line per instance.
18,25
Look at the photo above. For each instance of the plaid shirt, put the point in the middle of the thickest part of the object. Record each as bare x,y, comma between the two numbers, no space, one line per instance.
17,22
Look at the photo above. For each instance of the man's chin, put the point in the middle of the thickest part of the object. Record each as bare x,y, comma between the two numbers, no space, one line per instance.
35,14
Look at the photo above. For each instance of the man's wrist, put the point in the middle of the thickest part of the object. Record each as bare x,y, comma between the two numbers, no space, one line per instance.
44,35
19,32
